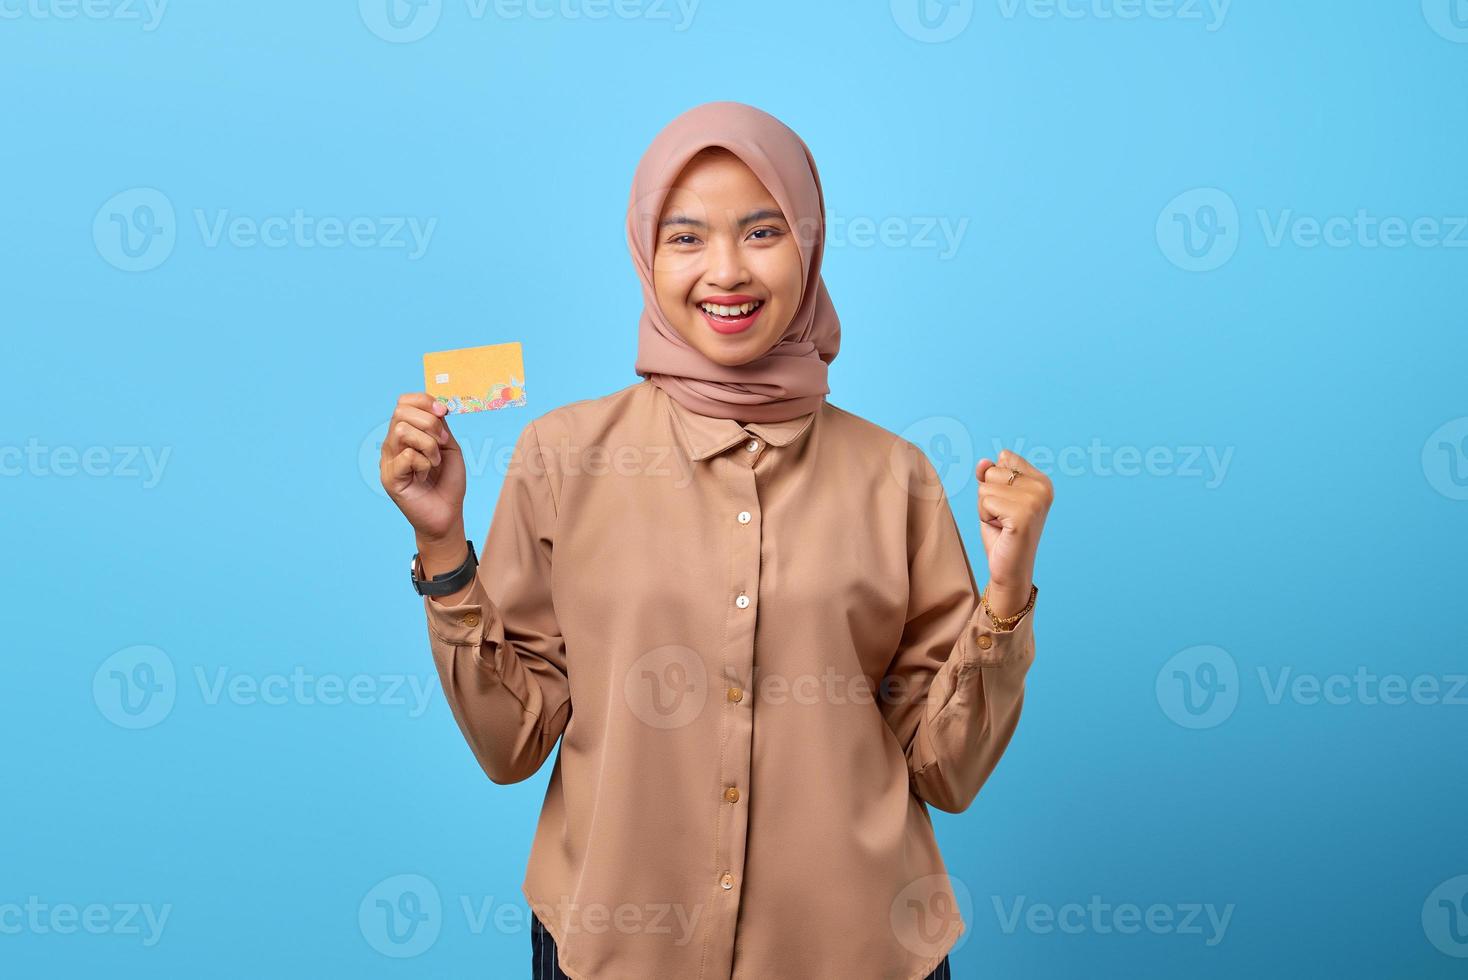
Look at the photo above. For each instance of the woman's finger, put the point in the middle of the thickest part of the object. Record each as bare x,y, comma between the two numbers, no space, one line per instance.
407,435
425,420
406,463
999,501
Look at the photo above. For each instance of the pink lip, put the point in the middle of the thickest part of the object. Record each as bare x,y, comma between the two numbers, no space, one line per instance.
731,326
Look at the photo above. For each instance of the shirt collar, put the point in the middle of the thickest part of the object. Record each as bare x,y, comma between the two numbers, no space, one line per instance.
703,436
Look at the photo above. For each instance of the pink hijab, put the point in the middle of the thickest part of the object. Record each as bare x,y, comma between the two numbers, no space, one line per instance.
788,380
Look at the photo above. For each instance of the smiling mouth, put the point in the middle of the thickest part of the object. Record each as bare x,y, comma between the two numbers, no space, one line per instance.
731,319
731,314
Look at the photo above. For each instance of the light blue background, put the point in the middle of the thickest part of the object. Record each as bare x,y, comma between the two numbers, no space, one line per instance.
1333,539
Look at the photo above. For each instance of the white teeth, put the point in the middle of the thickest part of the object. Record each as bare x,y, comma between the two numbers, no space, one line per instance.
743,309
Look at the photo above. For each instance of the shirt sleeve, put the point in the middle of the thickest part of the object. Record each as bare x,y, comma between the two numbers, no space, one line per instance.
500,654
955,687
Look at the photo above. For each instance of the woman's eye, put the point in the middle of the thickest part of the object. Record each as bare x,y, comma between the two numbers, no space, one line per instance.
772,233
680,240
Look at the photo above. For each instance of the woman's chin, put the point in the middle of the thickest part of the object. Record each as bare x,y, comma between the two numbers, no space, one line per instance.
734,351
730,350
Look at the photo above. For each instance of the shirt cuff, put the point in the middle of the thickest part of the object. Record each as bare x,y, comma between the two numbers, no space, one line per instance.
989,646
462,624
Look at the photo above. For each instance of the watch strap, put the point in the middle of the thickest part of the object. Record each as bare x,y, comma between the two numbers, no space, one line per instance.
446,583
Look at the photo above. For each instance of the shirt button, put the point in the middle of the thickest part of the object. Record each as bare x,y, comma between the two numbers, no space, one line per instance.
727,880
985,641
470,619
744,517
735,694
752,445
742,602
732,794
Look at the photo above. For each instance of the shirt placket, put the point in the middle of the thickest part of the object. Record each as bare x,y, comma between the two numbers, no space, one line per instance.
737,716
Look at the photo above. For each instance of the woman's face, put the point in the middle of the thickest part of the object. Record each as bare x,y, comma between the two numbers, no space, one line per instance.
722,240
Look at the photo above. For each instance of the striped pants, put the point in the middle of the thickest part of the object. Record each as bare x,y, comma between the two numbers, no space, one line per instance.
543,964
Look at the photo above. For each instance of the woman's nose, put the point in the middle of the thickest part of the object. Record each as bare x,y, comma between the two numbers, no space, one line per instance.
726,264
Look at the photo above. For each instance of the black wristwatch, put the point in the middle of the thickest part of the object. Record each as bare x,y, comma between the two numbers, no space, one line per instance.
449,582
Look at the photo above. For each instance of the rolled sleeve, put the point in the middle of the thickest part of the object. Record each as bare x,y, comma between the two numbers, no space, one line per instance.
963,680
500,654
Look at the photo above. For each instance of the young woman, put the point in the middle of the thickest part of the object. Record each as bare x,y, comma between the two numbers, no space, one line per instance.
747,614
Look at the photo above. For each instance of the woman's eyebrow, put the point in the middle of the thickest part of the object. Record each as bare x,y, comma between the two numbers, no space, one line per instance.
761,214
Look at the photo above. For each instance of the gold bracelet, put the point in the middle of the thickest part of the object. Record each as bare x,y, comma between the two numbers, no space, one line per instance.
1007,623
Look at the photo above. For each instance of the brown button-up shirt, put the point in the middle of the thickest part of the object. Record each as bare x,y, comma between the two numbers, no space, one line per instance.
762,650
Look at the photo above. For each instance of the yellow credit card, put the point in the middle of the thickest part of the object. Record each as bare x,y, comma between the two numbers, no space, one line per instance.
476,379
